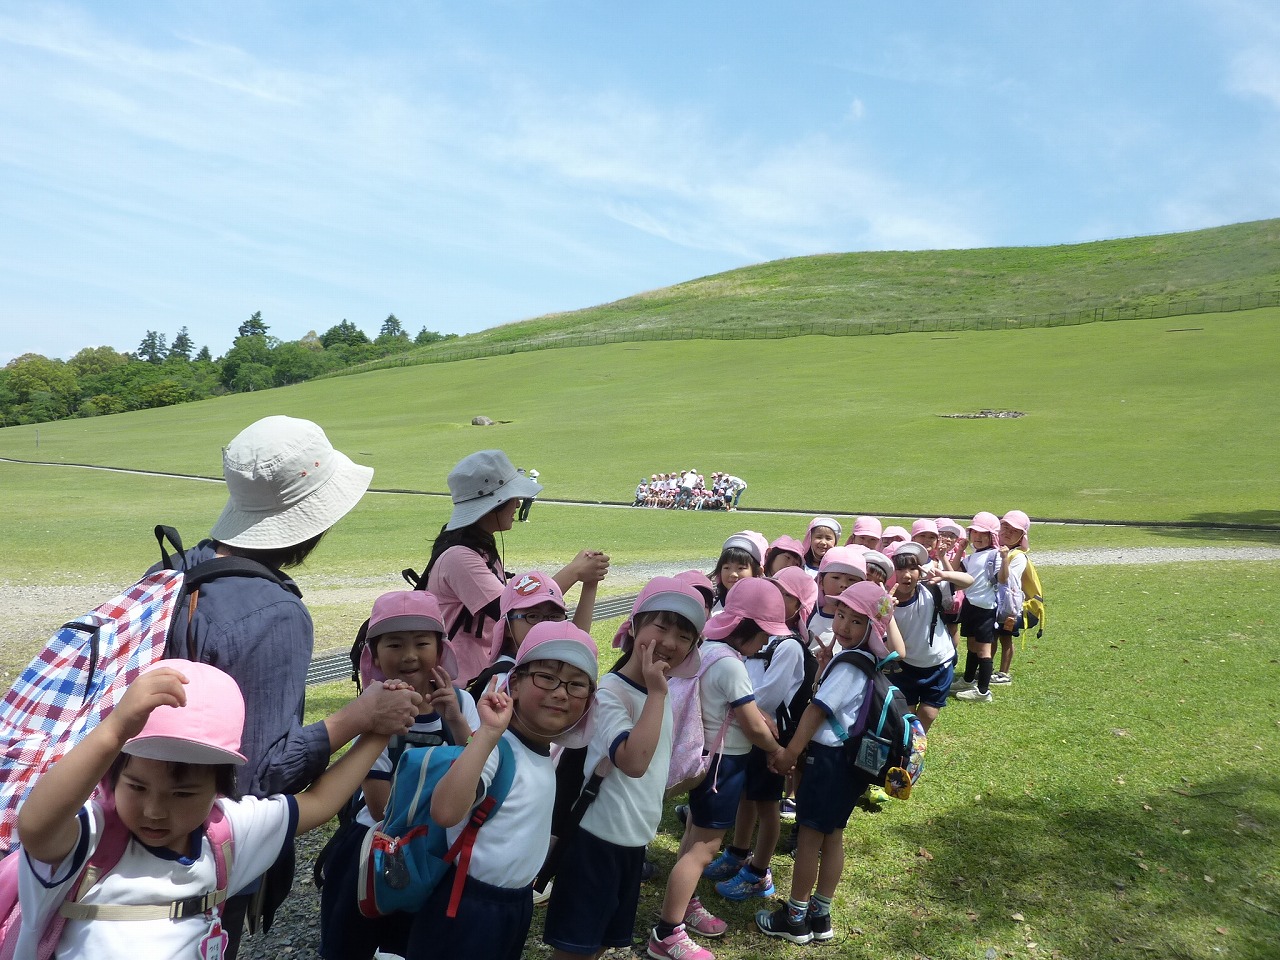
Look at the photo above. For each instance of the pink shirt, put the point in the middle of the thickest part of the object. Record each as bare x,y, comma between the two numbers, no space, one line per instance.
461,581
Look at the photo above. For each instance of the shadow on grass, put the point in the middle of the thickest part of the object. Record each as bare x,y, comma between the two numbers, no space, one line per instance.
1242,525
1189,872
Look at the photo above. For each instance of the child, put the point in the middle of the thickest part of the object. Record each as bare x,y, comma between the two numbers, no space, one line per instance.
800,596
702,583
841,567
822,535
866,533
978,612
879,567
783,552
546,695
927,668
925,532
1013,562
753,611
597,888
831,783
405,639
892,535
742,556
168,753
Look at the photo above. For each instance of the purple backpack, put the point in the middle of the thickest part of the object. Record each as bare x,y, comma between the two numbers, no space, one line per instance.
690,755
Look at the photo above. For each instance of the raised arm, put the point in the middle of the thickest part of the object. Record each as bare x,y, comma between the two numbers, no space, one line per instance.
456,793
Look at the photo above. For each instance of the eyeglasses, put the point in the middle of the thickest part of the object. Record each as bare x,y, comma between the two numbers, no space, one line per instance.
578,689
905,563
534,618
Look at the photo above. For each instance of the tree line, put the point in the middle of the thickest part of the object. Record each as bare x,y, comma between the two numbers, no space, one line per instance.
160,373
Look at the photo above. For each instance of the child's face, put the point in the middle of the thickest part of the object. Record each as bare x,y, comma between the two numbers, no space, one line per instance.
409,655
946,541
520,622
781,560
671,644
753,646
864,540
821,539
161,809
926,539
980,539
908,576
731,573
834,584
849,627
1010,535
544,714
876,575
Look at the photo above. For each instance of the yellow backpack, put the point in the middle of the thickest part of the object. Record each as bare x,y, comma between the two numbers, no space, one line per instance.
1032,597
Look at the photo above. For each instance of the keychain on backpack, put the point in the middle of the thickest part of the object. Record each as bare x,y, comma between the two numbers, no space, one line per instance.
394,871
213,945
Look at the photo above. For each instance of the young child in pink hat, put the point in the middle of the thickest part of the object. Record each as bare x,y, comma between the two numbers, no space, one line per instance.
753,612
741,557
1013,547
823,534
151,778
831,784
841,567
866,533
783,552
978,611
543,700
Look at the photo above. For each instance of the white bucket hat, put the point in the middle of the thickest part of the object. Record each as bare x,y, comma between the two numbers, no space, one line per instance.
285,485
483,481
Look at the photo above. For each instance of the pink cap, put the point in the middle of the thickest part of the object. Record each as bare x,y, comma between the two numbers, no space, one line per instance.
830,523
750,599
894,533
947,525
870,600
843,560
786,544
700,582
674,596
405,610
801,585
749,540
206,730
923,526
1019,521
867,527
521,593
564,641
986,522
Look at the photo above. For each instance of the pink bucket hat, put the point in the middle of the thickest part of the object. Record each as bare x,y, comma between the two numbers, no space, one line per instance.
700,582
844,560
786,544
924,526
206,730
947,525
751,599
894,533
565,641
870,600
801,585
749,540
881,561
405,610
985,522
829,522
674,596
521,593
866,527
1019,521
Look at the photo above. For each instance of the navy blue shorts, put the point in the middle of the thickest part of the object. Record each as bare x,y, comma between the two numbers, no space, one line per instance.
345,932
762,783
492,922
977,623
829,789
593,902
713,803
927,685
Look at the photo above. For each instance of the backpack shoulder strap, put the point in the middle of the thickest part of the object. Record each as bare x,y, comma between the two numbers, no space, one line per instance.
935,591
460,852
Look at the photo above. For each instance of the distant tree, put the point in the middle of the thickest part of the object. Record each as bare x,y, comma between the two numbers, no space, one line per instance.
94,361
426,336
153,348
253,376
391,330
294,363
311,341
344,334
41,389
204,356
182,346
246,350
163,393
253,327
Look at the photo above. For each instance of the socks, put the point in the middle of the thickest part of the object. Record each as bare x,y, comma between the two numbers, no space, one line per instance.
796,910
663,930
819,906
755,871
984,674
738,853
970,666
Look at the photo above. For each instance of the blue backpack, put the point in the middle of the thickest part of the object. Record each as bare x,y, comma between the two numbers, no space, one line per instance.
404,857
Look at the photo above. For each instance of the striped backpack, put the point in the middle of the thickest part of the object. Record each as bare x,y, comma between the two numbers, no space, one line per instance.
85,667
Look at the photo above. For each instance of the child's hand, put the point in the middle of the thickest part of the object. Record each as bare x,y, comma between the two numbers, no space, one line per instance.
1003,551
161,687
653,671
783,762
443,699
592,566
823,653
495,707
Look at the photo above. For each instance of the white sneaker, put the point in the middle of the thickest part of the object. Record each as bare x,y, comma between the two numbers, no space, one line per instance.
1001,677
975,695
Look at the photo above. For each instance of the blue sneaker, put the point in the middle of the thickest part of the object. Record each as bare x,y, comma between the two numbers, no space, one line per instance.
744,885
722,867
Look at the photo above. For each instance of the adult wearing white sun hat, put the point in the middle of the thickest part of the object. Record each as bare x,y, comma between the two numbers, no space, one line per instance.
465,570
286,486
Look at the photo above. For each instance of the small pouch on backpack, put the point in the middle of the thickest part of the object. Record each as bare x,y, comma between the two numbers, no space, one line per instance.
873,754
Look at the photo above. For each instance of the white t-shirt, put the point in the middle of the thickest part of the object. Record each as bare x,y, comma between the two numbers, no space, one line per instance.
841,689
914,617
383,768
776,679
146,876
982,566
819,627
724,685
627,810
512,844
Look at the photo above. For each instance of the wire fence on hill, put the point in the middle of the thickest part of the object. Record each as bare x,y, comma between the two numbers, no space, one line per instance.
750,329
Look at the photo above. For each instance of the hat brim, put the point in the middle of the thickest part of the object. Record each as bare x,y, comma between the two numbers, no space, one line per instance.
409,622
678,603
468,512
309,517
179,750
729,623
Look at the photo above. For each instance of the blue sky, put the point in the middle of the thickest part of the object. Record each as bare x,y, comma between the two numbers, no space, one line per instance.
466,164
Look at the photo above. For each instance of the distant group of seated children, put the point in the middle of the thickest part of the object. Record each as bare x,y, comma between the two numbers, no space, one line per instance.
763,645
688,490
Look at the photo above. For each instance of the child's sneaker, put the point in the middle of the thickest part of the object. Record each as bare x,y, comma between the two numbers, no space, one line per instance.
678,946
1001,677
974,695
820,926
744,885
787,809
778,924
701,920
722,867
960,683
